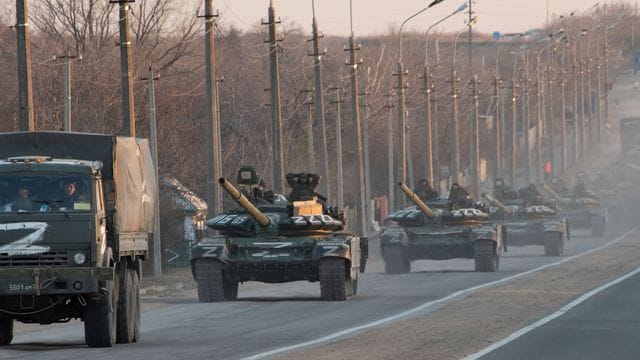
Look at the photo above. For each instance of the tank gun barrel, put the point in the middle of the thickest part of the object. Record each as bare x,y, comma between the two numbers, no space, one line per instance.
498,204
554,194
416,200
242,200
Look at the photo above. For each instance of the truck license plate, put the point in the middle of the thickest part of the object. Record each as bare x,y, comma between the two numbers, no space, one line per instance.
19,287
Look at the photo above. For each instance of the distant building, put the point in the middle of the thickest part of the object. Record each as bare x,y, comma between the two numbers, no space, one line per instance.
183,214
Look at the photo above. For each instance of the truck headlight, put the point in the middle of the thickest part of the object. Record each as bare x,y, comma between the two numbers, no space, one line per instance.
79,258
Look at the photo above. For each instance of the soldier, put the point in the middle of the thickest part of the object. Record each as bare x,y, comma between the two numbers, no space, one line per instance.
531,195
558,186
425,192
580,191
460,197
502,191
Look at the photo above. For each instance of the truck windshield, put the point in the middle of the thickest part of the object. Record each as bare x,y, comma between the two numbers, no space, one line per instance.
21,192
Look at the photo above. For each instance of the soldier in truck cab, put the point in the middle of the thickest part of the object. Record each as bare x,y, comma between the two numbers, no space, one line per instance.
72,194
23,201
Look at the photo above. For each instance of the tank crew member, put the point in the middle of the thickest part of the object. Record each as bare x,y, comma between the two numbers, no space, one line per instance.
531,195
425,192
502,191
460,197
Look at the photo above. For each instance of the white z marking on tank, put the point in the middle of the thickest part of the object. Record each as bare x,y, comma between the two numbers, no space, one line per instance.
276,245
24,246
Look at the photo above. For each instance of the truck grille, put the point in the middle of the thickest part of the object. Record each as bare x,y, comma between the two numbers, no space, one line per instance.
58,258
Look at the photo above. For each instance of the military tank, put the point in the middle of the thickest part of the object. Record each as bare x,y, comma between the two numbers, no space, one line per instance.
582,211
420,232
531,225
271,239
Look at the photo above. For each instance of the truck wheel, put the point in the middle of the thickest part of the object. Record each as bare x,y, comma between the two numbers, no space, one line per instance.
6,331
395,260
208,274
597,226
126,310
100,319
136,304
333,279
485,256
553,244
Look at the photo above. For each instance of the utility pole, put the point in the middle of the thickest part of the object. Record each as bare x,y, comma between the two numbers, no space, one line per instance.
276,112
496,129
67,87
213,127
311,154
539,122
219,123
606,75
563,131
455,152
157,243
600,96
402,129
475,139
435,148
426,76
581,104
128,110
574,145
526,112
513,137
361,228
470,34
365,141
319,101
338,101
25,98
390,153
589,72
551,120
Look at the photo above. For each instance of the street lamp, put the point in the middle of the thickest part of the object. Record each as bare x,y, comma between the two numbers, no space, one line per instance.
455,153
432,157
401,117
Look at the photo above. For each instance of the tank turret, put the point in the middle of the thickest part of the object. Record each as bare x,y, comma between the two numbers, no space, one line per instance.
416,200
554,194
498,204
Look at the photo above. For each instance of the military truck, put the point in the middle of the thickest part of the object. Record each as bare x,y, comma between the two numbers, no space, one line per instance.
272,239
76,213
531,225
419,232
582,212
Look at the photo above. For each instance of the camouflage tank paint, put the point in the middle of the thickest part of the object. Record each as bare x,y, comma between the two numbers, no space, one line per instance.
582,212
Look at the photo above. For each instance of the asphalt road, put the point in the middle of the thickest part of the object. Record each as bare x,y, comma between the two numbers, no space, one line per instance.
603,327
272,316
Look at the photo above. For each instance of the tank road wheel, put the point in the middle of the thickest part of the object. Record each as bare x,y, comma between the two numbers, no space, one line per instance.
597,226
126,309
395,260
213,286
6,331
553,244
485,256
100,318
333,279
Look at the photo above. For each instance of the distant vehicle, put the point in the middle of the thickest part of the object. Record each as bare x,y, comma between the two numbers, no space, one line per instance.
531,225
72,242
442,233
271,239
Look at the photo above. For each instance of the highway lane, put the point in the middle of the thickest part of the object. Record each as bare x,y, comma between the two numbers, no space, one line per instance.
271,316
605,326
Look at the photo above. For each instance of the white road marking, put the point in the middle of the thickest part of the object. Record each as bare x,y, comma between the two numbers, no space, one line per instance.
425,306
563,310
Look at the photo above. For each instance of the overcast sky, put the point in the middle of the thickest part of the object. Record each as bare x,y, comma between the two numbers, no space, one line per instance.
375,16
